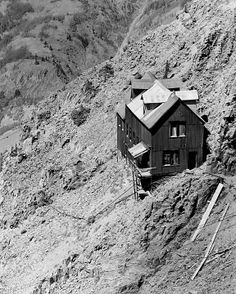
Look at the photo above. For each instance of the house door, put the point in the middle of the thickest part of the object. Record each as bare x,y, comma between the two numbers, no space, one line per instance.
192,159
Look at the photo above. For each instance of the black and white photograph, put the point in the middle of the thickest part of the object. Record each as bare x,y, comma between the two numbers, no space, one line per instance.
117,146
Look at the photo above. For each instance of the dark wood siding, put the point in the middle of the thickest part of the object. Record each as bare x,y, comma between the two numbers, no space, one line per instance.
120,134
193,141
139,132
159,139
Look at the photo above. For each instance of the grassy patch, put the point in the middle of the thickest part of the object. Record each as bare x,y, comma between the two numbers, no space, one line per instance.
13,55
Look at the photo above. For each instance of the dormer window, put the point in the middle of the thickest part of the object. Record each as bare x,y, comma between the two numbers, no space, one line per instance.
177,129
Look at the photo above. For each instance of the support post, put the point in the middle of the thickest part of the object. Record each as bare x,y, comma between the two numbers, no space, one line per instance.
133,175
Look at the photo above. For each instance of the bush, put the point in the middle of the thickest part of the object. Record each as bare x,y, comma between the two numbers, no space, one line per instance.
107,71
80,115
44,115
89,89
59,18
17,93
84,40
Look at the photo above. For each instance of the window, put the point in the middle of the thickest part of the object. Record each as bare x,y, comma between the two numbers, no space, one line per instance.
177,129
133,136
127,130
170,158
130,133
182,130
122,126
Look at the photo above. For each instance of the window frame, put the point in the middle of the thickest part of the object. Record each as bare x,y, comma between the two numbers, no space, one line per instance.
171,154
177,125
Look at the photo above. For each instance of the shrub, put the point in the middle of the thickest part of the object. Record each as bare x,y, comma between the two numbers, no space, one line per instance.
89,89
80,115
107,71
59,18
84,40
44,115
17,93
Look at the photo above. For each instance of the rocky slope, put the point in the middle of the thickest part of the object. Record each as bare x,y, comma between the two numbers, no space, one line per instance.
153,14
45,44
69,222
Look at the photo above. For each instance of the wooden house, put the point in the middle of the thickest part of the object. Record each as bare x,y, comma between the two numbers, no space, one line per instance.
161,132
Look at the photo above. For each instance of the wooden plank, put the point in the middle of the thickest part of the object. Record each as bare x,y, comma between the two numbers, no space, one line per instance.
133,175
208,211
209,247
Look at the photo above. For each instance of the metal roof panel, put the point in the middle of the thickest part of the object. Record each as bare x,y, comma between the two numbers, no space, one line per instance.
187,95
156,94
138,149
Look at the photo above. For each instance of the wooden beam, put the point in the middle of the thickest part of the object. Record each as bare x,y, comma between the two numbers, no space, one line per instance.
134,187
209,247
207,212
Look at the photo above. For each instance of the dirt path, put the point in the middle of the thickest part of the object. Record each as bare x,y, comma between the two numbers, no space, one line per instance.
9,139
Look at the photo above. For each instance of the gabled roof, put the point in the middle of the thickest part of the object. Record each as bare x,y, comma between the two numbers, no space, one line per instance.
121,108
136,106
154,116
172,83
142,84
156,94
149,76
187,95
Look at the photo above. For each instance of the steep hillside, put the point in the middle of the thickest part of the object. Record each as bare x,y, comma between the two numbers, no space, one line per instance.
153,14
69,221
45,44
